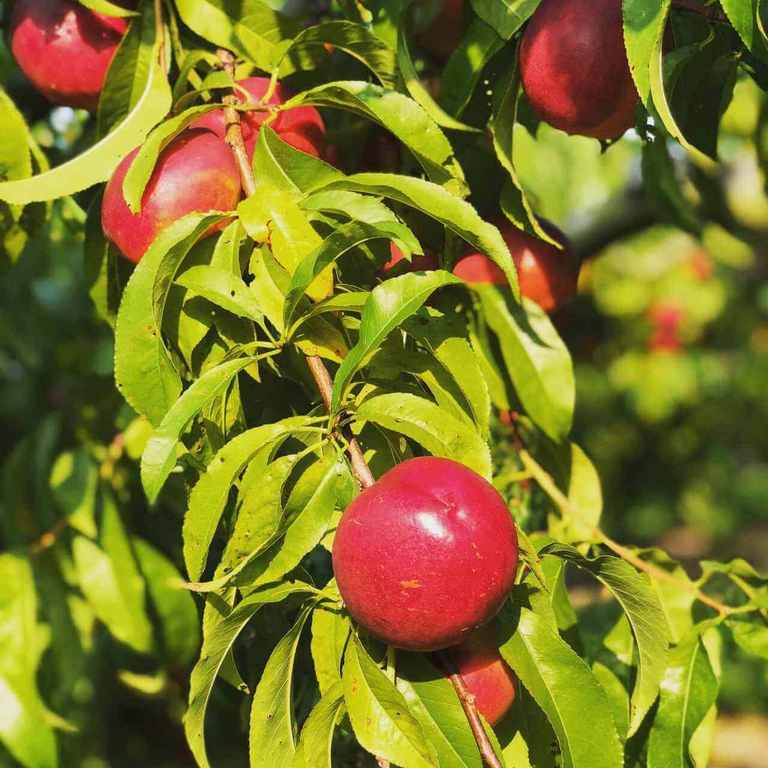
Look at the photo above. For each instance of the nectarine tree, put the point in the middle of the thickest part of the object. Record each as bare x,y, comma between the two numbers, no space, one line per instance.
314,421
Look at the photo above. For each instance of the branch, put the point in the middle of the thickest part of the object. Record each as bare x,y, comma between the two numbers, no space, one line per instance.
444,661
550,488
160,33
234,138
709,12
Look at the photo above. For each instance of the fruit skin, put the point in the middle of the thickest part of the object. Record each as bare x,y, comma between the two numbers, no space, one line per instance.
574,68
301,127
665,319
424,263
196,172
547,275
486,675
64,49
426,556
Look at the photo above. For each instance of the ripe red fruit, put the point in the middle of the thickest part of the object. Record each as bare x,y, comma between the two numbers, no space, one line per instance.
574,68
547,275
64,48
424,263
665,319
196,172
486,674
426,556
301,127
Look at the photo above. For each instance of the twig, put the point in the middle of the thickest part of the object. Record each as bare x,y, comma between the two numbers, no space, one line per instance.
49,538
444,661
707,11
160,33
550,488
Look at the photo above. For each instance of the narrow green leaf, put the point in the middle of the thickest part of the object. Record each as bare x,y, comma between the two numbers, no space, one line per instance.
209,496
552,673
216,646
272,720
744,15
537,360
688,691
634,594
753,638
317,733
144,371
160,453
440,433
330,631
387,307
505,16
381,718
223,289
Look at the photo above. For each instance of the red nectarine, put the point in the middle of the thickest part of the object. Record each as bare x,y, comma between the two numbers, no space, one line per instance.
424,263
427,555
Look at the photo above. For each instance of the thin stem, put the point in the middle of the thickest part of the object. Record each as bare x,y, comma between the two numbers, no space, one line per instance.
550,488
160,33
709,12
49,538
445,663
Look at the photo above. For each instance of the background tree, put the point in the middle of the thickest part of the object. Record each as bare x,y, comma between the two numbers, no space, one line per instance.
320,259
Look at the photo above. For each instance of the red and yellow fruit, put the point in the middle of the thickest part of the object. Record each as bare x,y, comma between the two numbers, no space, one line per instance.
574,70
195,173
547,275
418,263
64,48
426,556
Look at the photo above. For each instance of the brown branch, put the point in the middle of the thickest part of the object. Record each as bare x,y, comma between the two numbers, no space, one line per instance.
445,664
160,33
550,488
709,12
49,538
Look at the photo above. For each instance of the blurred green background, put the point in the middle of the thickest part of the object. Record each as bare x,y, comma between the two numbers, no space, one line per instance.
669,337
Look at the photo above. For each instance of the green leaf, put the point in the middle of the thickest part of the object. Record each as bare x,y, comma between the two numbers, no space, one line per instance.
223,289
317,733
216,646
272,719
101,265
479,44
753,638
173,605
250,29
98,162
381,718
444,337
400,115
688,691
144,371
440,433
433,702
140,171
537,360
413,82
387,307
111,581
159,455
351,205
744,15
24,730
307,516
209,496
333,247
106,8
128,73
330,631
435,201
649,627
354,39
74,484
15,157
516,206
552,673
505,16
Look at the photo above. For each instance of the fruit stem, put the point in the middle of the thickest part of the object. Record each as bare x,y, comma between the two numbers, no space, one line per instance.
445,664
707,11
234,139
548,485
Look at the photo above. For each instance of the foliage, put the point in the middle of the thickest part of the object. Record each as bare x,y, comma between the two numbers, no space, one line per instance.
212,453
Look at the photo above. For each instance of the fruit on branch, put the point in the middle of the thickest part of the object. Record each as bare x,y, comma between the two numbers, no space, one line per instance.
574,69
419,263
427,555
443,35
64,48
486,675
301,127
547,275
665,319
195,173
